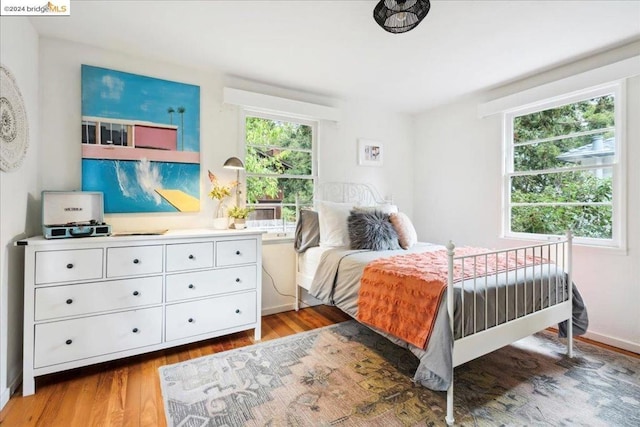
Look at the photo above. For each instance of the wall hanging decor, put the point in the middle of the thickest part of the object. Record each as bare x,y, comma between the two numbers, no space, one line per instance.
140,141
14,133
369,152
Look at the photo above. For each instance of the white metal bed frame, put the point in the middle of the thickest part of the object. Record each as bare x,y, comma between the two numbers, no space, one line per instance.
481,342
522,325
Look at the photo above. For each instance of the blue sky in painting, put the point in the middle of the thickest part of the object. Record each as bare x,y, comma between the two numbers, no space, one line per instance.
118,95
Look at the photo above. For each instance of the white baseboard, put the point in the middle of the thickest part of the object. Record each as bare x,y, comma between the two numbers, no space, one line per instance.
288,307
615,342
4,397
307,300
305,303
278,309
16,383
8,392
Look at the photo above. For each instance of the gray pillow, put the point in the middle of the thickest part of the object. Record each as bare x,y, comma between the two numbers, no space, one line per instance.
371,230
307,231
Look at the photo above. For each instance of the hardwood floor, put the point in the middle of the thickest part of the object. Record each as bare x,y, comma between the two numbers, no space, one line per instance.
127,392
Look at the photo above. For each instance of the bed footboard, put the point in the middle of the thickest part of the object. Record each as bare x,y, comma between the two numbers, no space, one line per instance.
541,296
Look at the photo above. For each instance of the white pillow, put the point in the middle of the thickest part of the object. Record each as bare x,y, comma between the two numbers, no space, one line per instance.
385,208
332,217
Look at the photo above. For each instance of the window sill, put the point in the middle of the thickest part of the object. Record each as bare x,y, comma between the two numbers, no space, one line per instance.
277,237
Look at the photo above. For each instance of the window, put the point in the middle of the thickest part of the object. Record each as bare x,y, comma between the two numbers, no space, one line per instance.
113,133
564,168
105,133
88,132
280,168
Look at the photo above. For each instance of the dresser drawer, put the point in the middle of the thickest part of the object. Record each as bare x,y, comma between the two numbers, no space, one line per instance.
86,298
211,282
67,266
68,340
189,256
207,316
234,252
134,260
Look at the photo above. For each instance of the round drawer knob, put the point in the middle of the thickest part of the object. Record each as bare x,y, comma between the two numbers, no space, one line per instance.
237,310
136,293
191,286
136,261
69,265
190,320
237,280
69,301
135,330
68,342
237,252
191,257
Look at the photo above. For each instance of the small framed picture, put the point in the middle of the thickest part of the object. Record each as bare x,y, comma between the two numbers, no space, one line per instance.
369,153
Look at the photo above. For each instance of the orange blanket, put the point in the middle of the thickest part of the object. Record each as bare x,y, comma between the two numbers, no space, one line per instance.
401,294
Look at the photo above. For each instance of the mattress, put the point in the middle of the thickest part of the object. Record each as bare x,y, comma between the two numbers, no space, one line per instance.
308,260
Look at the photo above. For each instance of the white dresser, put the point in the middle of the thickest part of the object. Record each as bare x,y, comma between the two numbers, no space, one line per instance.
95,299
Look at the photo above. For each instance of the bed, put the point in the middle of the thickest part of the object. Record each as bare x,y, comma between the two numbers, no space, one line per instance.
485,303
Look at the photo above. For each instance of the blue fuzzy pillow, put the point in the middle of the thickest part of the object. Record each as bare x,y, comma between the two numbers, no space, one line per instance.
371,230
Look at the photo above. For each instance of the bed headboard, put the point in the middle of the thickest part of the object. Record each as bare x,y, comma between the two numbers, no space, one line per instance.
349,192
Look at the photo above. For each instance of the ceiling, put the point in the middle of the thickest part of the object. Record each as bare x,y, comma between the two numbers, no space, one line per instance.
335,48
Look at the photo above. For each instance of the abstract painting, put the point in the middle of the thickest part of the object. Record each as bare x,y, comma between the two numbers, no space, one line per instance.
140,142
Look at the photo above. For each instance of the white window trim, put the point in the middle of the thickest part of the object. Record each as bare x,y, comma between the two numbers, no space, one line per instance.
276,105
314,124
573,84
619,209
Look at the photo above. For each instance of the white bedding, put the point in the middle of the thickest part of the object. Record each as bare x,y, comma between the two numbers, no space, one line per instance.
308,260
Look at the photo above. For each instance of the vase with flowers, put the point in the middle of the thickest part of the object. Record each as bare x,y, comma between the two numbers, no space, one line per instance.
220,193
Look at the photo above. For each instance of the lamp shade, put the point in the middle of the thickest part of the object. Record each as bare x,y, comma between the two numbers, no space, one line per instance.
233,163
400,16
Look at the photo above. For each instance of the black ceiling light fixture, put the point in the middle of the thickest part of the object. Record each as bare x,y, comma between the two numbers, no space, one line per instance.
400,16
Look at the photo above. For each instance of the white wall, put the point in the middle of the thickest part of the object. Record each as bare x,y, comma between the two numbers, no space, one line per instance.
339,154
18,190
458,166
60,104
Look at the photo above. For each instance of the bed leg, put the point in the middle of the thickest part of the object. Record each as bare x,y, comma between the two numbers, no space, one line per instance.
450,308
297,306
449,419
570,337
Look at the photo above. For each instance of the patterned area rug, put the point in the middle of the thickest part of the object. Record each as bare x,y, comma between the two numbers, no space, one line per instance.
346,375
